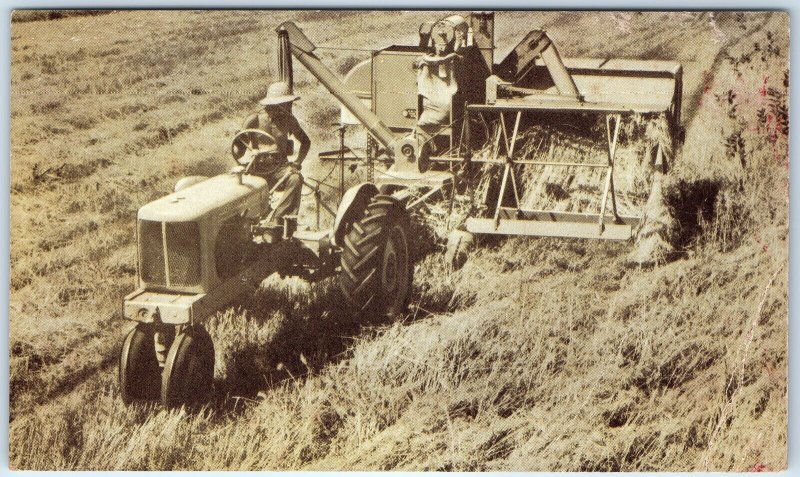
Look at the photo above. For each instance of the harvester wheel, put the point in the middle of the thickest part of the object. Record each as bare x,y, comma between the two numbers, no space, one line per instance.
189,370
376,272
138,365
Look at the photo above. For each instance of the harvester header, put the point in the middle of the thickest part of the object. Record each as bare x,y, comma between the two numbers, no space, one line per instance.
445,102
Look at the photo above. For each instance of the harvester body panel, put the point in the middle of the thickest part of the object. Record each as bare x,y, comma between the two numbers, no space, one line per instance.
397,102
359,81
398,84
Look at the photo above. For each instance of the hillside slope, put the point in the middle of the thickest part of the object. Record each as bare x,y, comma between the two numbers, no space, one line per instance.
538,355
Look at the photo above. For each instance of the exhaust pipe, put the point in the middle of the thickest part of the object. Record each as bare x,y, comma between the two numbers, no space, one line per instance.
285,71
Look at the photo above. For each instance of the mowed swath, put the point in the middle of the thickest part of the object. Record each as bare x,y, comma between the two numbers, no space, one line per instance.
538,355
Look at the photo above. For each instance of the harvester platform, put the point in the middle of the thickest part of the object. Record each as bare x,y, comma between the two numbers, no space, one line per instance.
542,223
538,83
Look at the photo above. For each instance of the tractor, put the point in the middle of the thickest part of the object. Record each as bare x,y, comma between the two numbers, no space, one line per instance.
438,115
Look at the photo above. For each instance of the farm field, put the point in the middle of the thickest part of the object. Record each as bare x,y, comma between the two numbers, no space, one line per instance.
539,354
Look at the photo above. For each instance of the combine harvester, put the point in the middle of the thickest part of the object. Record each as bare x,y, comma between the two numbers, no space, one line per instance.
461,108
453,126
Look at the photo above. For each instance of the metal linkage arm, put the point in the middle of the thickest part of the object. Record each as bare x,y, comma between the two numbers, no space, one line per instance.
508,170
611,138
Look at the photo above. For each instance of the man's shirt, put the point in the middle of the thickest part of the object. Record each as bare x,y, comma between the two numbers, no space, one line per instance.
280,127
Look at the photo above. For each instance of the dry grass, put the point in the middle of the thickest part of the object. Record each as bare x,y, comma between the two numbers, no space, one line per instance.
537,355
475,389
21,16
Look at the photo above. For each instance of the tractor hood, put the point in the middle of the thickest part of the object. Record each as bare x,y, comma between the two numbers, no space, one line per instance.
202,199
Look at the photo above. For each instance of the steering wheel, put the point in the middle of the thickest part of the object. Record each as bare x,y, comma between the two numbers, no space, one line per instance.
249,142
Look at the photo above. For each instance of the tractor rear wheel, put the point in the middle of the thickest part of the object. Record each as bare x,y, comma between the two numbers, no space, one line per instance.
376,270
188,374
138,366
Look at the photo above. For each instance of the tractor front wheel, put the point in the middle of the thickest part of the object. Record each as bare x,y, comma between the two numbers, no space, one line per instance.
138,366
376,270
188,374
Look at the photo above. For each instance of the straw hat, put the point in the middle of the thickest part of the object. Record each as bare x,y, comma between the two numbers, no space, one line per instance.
278,93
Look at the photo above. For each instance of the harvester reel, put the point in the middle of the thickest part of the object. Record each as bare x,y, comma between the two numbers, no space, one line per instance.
188,373
139,372
249,142
376,273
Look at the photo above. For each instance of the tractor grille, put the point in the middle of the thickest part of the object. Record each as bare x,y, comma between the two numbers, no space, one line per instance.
180,265
151,252
183,253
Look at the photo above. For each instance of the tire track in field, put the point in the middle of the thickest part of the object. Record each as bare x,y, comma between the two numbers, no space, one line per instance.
37,388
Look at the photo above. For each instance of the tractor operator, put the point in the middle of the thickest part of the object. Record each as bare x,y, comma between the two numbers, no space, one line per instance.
273,165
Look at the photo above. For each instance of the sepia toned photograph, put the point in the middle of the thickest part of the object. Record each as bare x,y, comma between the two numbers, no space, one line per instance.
359,240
